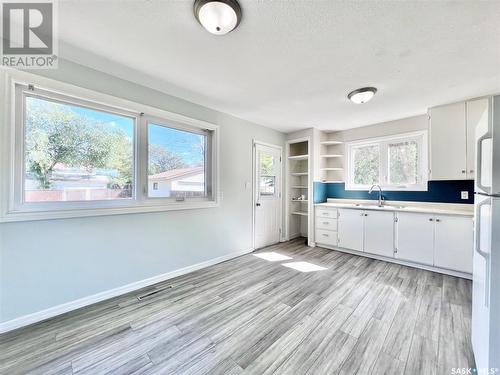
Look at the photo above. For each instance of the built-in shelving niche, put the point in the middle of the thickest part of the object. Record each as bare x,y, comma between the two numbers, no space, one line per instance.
299,187
331,158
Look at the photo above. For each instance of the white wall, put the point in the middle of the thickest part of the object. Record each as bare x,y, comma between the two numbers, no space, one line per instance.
47,263
405,125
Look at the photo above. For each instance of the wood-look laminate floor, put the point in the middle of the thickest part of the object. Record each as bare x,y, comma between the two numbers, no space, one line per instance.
253,316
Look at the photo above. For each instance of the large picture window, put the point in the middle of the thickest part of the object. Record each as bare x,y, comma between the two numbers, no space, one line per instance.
73,153
395,163
75,156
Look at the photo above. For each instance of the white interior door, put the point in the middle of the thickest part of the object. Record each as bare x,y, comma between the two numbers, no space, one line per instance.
267,195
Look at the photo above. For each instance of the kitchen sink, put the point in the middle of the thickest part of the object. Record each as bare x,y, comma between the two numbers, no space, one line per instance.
376,206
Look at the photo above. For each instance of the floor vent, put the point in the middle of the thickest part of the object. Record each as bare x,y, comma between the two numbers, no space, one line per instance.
152,293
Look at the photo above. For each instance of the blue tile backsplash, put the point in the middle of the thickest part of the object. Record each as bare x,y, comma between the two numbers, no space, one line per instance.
438,191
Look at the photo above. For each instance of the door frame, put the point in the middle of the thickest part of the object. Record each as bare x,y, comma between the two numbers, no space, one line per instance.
254,189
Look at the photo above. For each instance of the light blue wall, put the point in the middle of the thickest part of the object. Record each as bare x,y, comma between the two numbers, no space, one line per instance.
47,263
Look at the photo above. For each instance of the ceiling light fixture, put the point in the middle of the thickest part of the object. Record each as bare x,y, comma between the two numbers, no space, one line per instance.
362,95
218,17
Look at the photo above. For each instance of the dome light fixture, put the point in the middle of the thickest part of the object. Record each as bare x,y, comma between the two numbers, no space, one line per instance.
362,95
219,17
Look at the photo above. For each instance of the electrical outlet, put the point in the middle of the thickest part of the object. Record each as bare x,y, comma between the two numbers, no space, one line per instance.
464,195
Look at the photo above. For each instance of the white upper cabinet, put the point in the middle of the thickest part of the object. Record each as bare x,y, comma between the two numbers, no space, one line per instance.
477,112
415,238
453,243
350,229
448,142
452,139
379,233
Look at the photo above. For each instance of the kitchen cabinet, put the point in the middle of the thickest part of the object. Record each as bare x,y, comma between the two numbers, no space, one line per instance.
453,243
477,112
379,233
452,139
326,226
442,241
350,229
448,142
415,238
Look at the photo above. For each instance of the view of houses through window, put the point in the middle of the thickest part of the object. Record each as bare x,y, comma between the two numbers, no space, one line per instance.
176,163
74,153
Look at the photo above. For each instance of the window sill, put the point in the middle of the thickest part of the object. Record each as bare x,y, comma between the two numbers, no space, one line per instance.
16,216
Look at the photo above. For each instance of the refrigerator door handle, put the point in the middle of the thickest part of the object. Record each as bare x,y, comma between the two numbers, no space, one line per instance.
479,161
477,246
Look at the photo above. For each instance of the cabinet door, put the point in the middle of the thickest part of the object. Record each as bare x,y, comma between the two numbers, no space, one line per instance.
453,243
477,112
415,238
350,229
379,233
448,142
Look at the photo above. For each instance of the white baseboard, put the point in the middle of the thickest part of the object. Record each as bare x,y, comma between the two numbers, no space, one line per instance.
36,317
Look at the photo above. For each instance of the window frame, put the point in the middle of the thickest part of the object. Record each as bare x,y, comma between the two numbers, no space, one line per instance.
12,205
383,143
209,177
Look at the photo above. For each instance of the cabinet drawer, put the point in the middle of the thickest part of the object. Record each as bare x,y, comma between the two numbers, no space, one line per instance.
326,223
326,237
325,212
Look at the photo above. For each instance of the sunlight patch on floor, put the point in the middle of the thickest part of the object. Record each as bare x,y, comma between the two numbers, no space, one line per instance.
272,256
304,266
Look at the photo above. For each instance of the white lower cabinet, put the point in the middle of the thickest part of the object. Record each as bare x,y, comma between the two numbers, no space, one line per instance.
442,241
415,240
351,227
326,226
379,233
326,237
453,243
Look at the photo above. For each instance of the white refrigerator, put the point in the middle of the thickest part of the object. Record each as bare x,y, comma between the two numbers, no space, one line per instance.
486,271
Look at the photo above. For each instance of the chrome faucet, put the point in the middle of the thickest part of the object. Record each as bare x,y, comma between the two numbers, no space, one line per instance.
380,197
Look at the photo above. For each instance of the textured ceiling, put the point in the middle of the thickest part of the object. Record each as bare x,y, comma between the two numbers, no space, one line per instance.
290,64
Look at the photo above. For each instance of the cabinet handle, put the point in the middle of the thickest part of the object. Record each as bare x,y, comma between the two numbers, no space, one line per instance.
325,235
463,170
366,214
431,219
438,220
325,222
471,171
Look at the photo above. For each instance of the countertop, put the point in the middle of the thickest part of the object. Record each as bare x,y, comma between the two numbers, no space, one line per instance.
403,206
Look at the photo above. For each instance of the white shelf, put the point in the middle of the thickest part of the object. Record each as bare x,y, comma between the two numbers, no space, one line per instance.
299,200
299,187
300,213
329,143
331,181
299,174
332,156
332,169
299,157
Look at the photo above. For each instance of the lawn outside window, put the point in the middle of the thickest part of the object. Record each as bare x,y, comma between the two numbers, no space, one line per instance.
74,152
397,162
